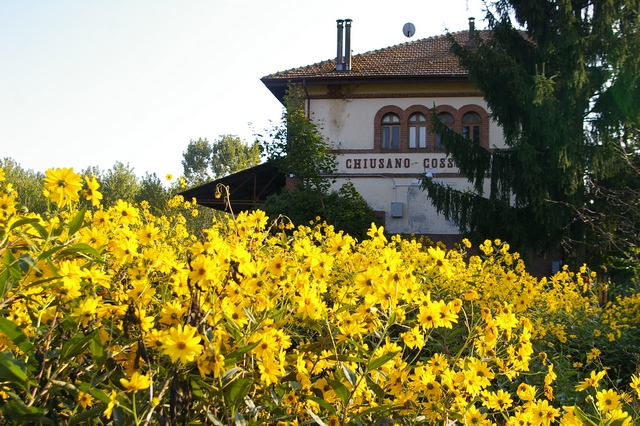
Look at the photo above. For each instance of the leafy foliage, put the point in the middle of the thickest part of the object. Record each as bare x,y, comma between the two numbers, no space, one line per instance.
297,146
345,209
204,161
27,182
119,182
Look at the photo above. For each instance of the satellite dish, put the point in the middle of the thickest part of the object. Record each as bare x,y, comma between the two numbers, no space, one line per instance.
409,29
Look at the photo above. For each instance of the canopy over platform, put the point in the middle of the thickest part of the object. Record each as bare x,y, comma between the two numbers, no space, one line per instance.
247,189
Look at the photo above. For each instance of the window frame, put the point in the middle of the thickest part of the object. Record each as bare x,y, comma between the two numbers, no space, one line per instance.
390,131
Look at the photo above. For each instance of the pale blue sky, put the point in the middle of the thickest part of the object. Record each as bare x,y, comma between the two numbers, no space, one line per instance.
88,83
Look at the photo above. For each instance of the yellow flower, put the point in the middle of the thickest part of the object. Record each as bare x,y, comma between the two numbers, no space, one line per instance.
543,413
86,309
62,185
473,416
635,384
594,353
91,193
113,402
7,205
85,399
499,400
125,212
590,381
607,400
169,176
377,234
270,369
526,392
1,174
138,382
172,312
181,343
441,264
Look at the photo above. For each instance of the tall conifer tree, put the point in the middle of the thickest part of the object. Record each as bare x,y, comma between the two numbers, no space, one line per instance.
561,78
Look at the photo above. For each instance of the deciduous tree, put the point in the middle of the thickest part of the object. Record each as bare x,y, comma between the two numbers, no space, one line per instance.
204,161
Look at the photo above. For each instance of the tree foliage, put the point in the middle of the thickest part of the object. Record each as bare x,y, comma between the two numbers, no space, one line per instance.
204,161
153,191
298,148
28,183
345,209
561,78
119,182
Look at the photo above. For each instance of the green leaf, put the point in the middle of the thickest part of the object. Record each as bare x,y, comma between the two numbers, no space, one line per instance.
376,409
241,351
16,335
75,345
12,266
4,277
213,419
341,390
25,262
13,371
85,416
315,417
98,353
582,416
322,403
21,222
94,392
19,413
349,374
380,361
82,248
345,358
238,389
238,420
77,221
377,389
47,254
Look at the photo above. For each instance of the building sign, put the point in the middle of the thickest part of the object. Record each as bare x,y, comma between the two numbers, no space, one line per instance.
412,163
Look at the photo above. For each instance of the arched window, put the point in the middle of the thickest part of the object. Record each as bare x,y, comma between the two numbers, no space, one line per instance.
390,131
417,130
447,120
471,126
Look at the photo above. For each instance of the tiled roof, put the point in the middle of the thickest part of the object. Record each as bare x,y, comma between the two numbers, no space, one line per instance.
426,57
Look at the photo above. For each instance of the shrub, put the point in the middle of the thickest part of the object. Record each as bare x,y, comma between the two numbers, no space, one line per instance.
121,316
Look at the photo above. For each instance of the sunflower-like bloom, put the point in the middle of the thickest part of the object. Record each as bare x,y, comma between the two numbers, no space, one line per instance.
91,192
138,382
607,400
62,185
181,343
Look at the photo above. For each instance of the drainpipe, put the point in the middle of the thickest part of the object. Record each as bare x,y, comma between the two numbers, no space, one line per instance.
304,86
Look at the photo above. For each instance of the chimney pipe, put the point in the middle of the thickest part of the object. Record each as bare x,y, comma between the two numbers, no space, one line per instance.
339,56
470,43
347,45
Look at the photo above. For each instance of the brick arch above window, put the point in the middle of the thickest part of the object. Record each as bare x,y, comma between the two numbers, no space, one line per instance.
417,129
377,125
433,139
484,121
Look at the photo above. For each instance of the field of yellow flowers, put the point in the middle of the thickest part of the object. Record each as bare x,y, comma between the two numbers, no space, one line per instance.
122,316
